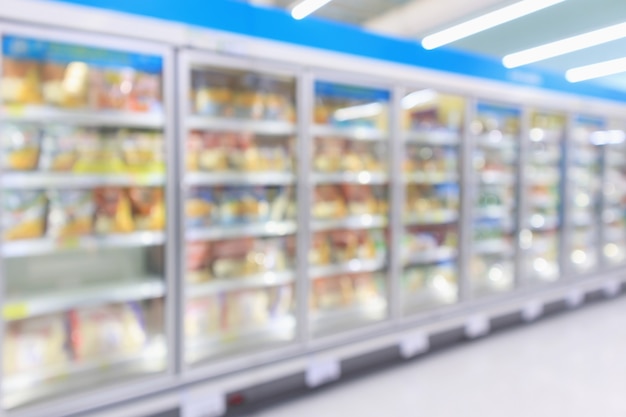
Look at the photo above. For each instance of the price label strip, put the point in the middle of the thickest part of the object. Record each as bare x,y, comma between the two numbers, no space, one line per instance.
414,344
322,371
477,326
202,403
532,311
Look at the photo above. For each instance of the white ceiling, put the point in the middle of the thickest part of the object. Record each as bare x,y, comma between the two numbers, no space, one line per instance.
415,18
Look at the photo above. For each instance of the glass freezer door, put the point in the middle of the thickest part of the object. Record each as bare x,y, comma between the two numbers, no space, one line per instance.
240,211
432,126
614,198
348,256
585,182
496,133
540,239
83,217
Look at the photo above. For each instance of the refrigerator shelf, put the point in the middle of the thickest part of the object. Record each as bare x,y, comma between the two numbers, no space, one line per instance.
493,247
218,232
325,321
353,133
435,217
23,388
495,141
494,212
551,177
279,329
48,115
42,180
43,246
362,177
488,177
259,127
436,137
353,266
431,256
115,292
266,279
240,178
365,221
431,178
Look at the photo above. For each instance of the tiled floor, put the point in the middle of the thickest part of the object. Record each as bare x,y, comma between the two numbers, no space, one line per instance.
573,365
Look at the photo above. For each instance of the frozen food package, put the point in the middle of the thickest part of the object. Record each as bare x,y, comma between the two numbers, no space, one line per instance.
231,207
146,95
229,257
332,293
281,301
254,205
246,309
111,88
195,145
321,252
71,213
328,154
198,256
20,81
203,316
106,332
36,344
24,214
280,199
329,203
415,279
20,147
367,288
113,211
99,154
65,85
60,148
213,154
201,207
212,93
361,199
268,255
148,207
143,151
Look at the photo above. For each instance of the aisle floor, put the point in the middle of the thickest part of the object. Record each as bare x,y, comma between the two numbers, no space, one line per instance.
572,365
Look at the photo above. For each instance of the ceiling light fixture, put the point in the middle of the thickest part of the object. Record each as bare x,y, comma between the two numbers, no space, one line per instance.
601,69
486,21
306,7
565,46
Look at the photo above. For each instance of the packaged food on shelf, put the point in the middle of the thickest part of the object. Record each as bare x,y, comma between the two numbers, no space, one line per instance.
66,85
143,151
148,207
431,159
21,80
113,211
24,214
203,316
247,309
332,293
360,156
60,147
110,88
356,244
71,213
364,199
35,345
99,154
198,257
328,154
254,205
201,207
367,288
321,252
281,301
212,93
106,332
329,203
429,199
21,145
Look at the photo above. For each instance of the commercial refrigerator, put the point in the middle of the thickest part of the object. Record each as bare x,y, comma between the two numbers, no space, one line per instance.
85,191
239,197
348,256
541,231
496,135
432,131
613,194
585,196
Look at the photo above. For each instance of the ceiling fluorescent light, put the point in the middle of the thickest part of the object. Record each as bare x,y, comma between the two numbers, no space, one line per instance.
418,98
306,7
565,46
608,137
486,21
601,69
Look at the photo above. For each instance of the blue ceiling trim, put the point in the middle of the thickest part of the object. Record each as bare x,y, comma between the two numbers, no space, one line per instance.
276,24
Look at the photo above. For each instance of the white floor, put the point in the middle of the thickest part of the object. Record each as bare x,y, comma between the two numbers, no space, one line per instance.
573,365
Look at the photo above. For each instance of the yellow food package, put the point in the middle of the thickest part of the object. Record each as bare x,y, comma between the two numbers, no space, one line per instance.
24,214
21,147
